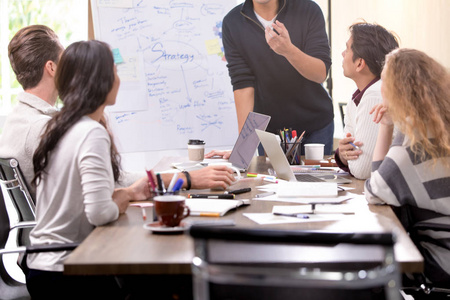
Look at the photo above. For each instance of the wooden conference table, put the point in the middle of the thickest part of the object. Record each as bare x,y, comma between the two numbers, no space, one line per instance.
124,247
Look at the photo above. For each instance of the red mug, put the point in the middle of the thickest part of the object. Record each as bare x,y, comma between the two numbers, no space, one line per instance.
170,209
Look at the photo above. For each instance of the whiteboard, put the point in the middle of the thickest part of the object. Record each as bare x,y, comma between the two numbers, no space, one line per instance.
174,81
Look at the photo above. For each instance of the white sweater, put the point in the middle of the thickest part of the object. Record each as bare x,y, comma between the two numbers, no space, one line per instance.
360,124
22,132
75,193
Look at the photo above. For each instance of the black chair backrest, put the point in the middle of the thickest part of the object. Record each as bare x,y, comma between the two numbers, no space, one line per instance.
12,179
218,274
9,287
291,236
17,188
4,222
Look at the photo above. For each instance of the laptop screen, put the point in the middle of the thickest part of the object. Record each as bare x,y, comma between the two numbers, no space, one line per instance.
247,141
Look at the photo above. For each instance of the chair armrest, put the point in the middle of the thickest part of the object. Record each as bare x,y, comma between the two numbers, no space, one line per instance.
25,224
40,248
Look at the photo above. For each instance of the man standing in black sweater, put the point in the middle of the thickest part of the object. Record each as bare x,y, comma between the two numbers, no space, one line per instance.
278,57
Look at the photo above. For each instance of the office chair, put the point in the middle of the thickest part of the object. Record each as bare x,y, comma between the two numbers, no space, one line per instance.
9,287
217,278
423,231
342,108
12,179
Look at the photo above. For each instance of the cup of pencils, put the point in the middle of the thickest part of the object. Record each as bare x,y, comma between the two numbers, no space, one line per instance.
290,143
157,187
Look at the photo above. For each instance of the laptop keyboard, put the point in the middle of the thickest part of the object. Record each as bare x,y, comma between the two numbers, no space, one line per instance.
308,178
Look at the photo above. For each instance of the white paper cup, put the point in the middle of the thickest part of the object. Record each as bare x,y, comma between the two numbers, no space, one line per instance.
196,152
314,151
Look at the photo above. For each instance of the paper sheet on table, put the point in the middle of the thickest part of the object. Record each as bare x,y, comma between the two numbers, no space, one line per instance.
307,189
307,200
269,218
319,209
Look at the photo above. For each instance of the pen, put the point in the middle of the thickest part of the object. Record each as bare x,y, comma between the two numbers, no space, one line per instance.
172,182
300,216
212,196
354,146
142,206
144,213
271,179
205,214
151,180
264,176
301,136
241,191
264,194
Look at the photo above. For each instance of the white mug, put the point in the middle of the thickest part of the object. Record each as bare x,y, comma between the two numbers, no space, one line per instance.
314,151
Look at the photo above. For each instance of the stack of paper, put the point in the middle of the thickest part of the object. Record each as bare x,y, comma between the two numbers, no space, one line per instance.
307,189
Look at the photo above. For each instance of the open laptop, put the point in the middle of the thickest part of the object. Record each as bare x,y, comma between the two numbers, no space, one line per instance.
244,149
281,165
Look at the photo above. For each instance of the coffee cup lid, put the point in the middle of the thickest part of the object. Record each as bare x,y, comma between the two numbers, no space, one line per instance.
196,142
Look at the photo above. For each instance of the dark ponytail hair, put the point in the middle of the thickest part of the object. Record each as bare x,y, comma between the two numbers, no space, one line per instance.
84,77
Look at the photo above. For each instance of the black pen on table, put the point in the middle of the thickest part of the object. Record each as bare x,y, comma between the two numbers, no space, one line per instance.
237,192
212,196
299,216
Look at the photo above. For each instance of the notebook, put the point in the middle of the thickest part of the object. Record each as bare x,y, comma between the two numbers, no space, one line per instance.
282,167
213,207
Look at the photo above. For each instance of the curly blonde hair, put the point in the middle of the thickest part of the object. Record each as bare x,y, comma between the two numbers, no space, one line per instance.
417,89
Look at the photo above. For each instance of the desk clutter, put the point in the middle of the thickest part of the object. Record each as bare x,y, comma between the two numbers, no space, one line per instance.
158,188
170,250
290,142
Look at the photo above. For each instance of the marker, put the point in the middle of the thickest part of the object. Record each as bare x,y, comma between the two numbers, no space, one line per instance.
354,146
160,183
177,186
299,216
151,180
264,194
172,182
236,192
212,196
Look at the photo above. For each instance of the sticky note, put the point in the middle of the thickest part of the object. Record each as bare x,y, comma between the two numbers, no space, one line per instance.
117,57
213,46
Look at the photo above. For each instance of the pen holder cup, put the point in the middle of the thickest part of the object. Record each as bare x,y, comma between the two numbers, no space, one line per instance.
292,152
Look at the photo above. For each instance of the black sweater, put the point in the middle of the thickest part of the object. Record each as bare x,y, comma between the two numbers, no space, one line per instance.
280,91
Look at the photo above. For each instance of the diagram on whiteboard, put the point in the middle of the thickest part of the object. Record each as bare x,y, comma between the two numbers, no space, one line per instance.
174,81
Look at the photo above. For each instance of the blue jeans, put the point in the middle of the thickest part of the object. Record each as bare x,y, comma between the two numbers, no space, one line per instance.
321,136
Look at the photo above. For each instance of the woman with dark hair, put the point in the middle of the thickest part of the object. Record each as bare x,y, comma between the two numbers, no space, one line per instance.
412,172
76,165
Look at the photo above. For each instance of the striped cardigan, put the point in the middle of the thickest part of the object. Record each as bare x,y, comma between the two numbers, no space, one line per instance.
423,193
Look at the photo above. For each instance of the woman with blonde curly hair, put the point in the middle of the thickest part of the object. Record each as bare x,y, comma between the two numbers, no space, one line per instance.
412,171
